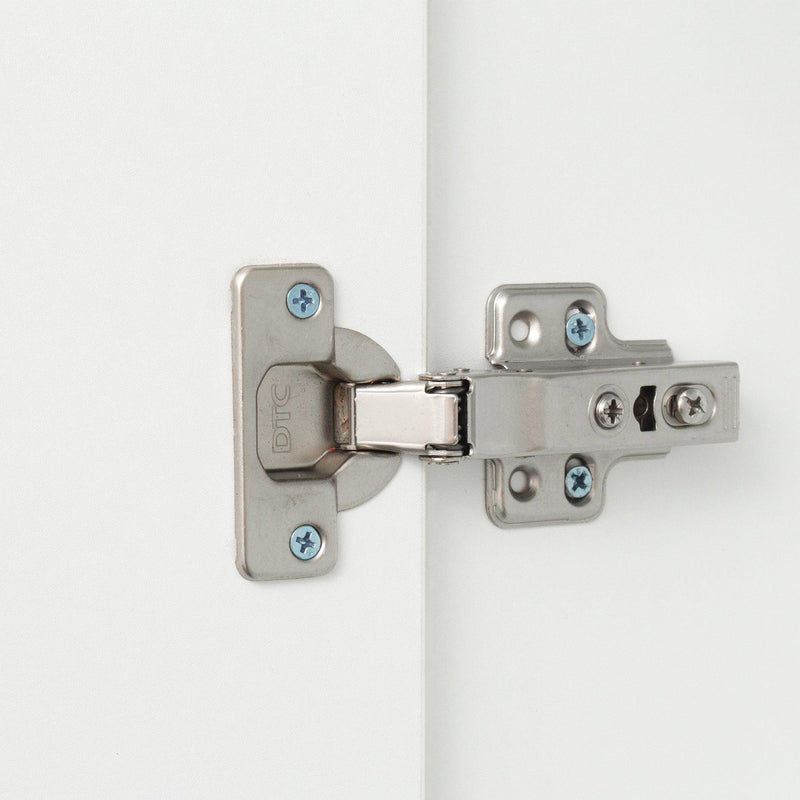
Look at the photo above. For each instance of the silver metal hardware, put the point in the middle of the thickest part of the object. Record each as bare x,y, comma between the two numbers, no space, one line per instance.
288,470
305,542
609,410
302,300
578,482
688,405
412,416
321,415
580,329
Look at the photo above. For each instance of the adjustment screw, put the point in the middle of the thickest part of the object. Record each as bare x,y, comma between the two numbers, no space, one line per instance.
302,301
609,410
578,482
580,329
692,405
305,542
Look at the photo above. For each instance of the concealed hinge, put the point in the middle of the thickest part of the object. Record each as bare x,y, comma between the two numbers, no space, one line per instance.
321,416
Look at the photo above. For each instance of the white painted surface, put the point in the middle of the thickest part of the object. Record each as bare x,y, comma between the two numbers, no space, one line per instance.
652,149
148,150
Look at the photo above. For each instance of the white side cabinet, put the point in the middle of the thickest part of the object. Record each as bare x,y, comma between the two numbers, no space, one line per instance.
651,150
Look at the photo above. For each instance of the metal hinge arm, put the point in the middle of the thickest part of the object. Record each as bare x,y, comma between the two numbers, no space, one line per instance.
503,414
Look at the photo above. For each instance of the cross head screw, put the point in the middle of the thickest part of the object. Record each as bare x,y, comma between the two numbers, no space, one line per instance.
692,405
580,329
578,482
302,301
305,542
609,410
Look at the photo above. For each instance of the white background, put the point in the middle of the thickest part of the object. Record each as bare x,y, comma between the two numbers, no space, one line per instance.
147,150
654,149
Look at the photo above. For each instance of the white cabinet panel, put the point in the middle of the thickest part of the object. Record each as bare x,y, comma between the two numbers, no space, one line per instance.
148,150
651,149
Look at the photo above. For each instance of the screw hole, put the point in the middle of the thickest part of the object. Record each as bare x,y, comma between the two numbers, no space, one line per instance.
519,330
523,483
524,329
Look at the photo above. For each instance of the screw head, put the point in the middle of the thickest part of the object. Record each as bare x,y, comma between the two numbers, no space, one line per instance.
609,410
302,301
578,482
692,406
580,329
305,542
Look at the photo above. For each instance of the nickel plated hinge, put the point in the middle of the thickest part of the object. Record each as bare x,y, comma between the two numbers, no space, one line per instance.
322,417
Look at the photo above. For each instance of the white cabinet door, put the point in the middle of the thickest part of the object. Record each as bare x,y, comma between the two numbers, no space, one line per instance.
651,149
149,150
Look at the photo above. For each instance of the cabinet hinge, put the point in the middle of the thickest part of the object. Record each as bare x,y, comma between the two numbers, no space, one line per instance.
321,416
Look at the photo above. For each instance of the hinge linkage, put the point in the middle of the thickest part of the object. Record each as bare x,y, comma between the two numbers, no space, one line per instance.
426,417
